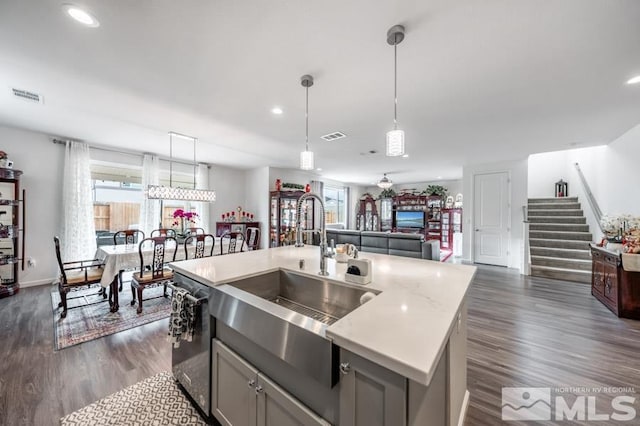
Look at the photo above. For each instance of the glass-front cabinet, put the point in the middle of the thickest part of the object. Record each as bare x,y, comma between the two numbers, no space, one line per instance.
368,218
282,220
386,214
10,231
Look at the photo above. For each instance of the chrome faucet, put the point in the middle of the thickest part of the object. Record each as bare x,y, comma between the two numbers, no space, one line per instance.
324,248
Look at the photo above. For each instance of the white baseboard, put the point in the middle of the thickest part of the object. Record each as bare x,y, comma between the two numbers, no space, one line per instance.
47,281
465,406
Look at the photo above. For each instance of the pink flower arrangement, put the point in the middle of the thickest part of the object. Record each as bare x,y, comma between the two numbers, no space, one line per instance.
181,216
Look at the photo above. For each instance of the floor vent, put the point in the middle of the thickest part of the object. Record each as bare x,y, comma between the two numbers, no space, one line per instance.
27,95
333,136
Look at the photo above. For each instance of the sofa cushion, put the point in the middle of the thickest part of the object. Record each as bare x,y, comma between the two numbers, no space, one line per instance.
375,242
406,242
408,245
344,236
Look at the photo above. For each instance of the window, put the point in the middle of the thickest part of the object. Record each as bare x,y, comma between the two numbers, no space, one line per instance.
118,192
116,196
335,201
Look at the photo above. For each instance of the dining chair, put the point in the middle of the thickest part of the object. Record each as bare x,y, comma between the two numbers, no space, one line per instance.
233,239
194,231
76,274
252,238
163,232
156,273
128,236
201,249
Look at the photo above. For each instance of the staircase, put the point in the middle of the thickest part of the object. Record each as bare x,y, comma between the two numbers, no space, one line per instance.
559,239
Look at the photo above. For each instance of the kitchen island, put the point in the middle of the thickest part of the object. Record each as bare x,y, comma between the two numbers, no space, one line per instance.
401,355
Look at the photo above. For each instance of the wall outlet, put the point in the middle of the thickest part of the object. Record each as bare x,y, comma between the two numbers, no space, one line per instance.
31,262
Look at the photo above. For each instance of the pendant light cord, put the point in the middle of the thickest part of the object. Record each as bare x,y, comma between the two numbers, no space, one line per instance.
194,162
395,84
170,160
306,115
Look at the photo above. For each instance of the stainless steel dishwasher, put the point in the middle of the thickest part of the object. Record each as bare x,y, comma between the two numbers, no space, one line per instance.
191,361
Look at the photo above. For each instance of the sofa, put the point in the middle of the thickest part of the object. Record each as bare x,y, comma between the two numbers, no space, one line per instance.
393,243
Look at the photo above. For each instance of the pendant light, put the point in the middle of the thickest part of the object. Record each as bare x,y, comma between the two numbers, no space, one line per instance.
395,137
385,182
161,192
306,156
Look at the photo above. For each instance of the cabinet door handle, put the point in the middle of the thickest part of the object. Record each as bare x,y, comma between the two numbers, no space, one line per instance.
252,383
345,367
259,389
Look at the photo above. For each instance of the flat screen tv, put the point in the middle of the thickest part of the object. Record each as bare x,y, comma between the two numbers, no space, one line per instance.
409,219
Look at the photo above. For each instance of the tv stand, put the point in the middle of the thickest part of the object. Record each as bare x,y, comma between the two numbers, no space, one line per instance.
430,205
409,230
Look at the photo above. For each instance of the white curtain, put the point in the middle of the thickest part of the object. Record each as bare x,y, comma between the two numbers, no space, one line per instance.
202,182
149,209
78,227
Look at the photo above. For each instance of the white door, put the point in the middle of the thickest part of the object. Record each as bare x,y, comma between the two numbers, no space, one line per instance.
491,218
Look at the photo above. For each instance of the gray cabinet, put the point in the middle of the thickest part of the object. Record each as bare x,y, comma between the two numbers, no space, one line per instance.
370,395
457,368
233,396
242,396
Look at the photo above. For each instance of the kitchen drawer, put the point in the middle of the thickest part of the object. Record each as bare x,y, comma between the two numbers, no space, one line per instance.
611,259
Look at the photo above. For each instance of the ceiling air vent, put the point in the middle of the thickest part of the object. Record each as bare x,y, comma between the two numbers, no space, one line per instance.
27,95
333,136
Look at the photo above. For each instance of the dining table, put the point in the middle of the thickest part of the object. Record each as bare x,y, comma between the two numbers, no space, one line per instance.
123,257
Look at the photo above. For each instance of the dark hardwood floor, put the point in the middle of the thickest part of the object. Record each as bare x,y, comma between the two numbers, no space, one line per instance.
39,385
537,332
523,331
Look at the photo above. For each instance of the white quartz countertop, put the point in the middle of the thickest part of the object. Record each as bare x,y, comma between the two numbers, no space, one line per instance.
405,328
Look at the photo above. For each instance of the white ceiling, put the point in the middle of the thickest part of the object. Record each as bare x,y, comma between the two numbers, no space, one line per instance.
479,81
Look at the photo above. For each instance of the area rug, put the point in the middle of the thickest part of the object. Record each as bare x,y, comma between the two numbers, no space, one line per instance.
91,318
154,401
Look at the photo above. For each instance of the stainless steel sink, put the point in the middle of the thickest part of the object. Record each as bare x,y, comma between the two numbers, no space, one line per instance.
287,314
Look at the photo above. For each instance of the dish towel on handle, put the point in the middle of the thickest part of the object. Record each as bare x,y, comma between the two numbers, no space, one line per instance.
182,319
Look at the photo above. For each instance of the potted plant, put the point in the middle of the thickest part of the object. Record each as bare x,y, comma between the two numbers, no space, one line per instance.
180,217
387,193
435,190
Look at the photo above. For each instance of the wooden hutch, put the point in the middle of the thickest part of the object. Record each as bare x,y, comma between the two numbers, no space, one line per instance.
367,218
10,231
618,289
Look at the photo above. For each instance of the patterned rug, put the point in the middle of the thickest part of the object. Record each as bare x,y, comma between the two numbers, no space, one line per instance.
154,401
92,318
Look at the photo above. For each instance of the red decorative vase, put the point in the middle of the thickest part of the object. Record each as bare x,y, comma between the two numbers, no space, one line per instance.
307,188
278,185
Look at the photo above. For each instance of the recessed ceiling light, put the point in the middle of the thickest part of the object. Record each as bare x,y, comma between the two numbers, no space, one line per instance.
634,80
81,15
276,110
319,169
405,156
439,177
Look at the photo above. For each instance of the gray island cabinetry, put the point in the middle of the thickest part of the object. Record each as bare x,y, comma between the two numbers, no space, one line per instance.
292,348
242,396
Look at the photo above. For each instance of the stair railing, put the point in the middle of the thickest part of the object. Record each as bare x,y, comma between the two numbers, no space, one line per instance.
526,258
595,208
